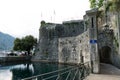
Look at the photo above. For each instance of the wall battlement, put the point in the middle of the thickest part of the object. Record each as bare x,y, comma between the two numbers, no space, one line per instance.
67,29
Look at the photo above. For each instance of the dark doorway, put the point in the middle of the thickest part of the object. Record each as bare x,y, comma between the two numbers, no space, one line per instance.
105,54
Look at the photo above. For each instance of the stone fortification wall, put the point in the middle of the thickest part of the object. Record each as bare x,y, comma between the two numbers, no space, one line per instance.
109,36
73,49
72,28
114,21
47,48
64,43
97,37
67,29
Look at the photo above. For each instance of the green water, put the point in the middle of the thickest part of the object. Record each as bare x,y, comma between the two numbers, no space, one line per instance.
18,71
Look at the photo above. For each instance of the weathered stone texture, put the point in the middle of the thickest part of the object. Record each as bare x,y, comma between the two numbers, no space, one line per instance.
63,42
69,42
109,36
71,48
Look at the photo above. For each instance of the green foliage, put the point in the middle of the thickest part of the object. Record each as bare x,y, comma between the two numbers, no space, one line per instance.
92,3
114,5
25,44
96,3
100,3
17,44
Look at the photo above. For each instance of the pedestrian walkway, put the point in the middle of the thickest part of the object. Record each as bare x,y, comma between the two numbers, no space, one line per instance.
107,72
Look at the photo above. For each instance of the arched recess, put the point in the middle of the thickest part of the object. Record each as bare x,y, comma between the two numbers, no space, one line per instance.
105,54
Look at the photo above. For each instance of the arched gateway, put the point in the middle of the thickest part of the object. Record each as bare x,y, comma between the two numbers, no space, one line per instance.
105,53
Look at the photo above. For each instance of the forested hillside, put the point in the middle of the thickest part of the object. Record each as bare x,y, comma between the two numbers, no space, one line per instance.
6,41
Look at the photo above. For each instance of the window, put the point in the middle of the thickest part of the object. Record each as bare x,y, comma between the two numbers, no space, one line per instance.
92,22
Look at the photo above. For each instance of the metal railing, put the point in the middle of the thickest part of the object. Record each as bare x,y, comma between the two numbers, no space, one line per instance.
71,73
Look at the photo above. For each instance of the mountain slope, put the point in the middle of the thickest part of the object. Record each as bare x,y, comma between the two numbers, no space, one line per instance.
6,41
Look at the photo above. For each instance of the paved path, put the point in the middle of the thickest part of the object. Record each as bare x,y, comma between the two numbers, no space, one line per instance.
108,72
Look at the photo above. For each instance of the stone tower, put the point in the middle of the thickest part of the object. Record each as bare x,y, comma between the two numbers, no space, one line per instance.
92,22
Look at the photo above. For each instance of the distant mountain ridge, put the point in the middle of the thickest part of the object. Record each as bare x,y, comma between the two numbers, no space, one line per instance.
6,41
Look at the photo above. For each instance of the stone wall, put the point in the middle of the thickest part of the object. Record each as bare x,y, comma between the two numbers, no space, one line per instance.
71,49
109,36
69,42
72,28
47,48
65,43
14,59
115,25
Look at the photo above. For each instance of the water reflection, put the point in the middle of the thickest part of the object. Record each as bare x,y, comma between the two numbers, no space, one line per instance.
19,71
22,71
16,72
5,75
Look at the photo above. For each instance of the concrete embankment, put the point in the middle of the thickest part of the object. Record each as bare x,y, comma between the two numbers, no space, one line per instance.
14,58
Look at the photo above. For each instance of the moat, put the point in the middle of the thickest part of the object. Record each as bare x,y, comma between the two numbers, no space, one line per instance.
18,71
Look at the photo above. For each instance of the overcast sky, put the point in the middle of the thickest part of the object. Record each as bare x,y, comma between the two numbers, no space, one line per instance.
22,17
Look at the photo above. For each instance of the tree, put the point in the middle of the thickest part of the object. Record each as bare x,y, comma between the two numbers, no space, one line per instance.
25,44
96,3
111,4
17,44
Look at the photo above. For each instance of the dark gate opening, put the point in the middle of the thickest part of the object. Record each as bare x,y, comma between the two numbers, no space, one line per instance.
105,54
